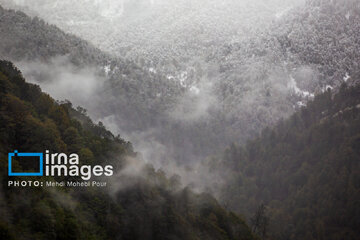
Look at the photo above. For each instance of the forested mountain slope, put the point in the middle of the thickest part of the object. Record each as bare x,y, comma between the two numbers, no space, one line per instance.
308,49
122,93
141,204
157,31
26,40
305,171
183,108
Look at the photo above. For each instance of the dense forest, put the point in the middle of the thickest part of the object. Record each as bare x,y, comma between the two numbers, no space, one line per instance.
200,98
150,207
304,172
126,85
254,103
244,70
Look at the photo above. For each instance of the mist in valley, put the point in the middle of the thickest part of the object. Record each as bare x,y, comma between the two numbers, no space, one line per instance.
219,74
211,100
254,102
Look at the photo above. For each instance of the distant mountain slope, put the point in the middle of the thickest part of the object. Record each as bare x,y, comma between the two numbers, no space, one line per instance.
139,204
305,170
25,38
190,105
318,39
131,96
324,35
264,77
156,30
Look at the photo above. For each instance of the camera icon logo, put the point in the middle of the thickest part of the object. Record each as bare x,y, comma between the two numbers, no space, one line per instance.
16,154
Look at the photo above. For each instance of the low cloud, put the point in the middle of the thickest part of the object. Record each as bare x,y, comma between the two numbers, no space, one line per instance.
195,104
62,80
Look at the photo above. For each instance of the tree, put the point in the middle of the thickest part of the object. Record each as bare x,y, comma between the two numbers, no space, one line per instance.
259,222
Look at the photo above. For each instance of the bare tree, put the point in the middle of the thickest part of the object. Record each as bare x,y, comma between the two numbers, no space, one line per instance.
259,222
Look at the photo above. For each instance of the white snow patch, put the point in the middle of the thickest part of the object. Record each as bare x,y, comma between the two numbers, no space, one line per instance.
170,77
182,78
107,69
346,77
292,85
327,87
301,104
152,70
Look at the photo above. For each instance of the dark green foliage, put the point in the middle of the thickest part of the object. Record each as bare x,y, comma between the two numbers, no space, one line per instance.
305,170
150,206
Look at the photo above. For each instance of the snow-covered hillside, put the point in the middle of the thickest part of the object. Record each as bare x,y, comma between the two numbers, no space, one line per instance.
157,30
232,67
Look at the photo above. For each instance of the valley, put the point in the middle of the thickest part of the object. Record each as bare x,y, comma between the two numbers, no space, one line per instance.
228,98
